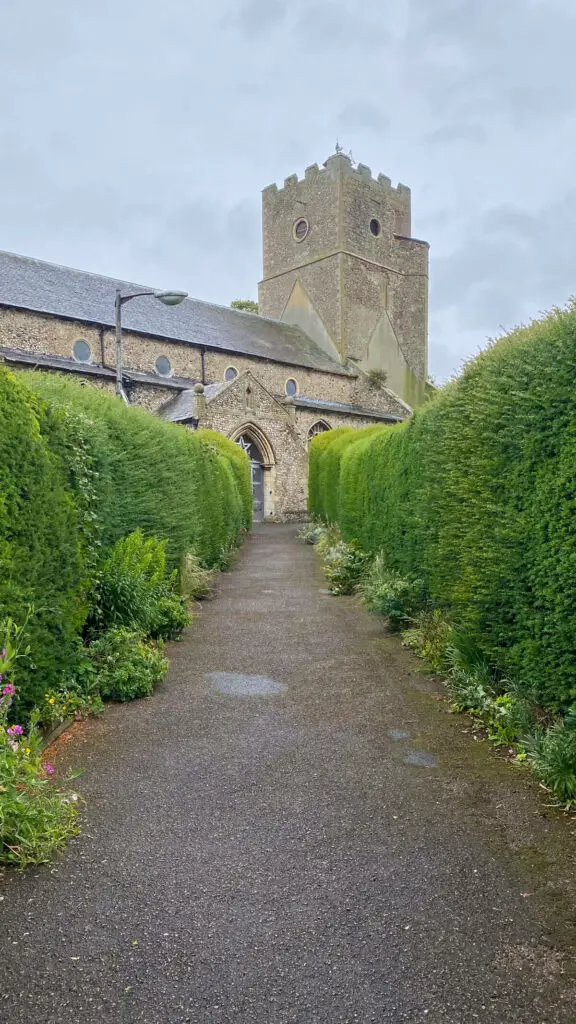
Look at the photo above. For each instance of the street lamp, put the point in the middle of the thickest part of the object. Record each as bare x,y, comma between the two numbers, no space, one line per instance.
168,298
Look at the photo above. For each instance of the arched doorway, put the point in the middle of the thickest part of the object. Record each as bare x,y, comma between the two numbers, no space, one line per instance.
256,473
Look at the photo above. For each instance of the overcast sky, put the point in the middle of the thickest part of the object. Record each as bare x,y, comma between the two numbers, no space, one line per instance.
135,137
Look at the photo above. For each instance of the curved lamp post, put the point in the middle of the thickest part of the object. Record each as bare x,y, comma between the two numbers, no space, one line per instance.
168,298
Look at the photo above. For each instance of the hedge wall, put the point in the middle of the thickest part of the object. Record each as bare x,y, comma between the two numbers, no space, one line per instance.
238,462
477,494
78,470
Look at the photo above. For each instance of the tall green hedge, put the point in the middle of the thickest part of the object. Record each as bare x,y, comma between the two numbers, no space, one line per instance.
155,475
477,494
42,557
78,470
239,465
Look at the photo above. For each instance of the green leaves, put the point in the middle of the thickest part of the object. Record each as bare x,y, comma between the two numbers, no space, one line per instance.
127,666
79,471
476,496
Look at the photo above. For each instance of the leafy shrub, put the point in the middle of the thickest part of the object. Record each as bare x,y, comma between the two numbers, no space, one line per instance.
195,580
551,754
344,566
311,533
385,592
432,637
69,703
36,820
134,589
127,666
475,495
328,537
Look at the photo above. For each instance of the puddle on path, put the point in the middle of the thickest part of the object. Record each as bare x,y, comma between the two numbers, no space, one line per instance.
244,686
420,759
398,734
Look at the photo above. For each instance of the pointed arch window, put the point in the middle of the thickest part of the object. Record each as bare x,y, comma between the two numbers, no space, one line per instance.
320,427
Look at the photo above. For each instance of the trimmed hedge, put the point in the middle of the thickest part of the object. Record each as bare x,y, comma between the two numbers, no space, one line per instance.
79,470
42,556
238,461
476,494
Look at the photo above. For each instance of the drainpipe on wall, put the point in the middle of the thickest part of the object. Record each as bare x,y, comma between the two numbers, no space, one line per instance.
203,364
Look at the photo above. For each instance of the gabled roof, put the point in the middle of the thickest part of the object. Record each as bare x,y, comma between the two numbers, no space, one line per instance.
31,284
182,407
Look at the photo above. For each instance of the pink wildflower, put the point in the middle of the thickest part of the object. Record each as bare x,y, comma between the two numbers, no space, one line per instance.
15,730
9,690
49,768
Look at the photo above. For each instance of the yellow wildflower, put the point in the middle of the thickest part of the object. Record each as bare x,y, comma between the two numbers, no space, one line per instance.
51,701
27,751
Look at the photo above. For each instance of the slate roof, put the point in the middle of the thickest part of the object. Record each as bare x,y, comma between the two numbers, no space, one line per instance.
350,410
182,407
31,284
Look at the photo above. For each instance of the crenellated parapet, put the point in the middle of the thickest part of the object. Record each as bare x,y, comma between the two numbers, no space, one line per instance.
340,165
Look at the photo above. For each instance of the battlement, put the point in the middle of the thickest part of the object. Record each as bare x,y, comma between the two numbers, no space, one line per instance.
339,166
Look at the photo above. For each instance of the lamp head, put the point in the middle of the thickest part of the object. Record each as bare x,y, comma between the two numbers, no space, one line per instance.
171,298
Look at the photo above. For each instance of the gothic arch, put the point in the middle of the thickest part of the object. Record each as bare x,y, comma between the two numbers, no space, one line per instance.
260,440
319,427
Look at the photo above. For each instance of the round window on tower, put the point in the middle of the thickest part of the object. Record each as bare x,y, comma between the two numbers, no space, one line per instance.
291,387
375,226
300,229
163,366
81,351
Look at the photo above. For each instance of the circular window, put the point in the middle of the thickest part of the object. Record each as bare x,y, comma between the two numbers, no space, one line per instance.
163,366
291,387
300,229
375,226
230,373
81,351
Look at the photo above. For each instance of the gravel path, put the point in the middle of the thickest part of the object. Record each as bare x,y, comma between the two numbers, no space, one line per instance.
293,829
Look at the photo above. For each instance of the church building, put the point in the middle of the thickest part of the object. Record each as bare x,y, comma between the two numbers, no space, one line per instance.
340,338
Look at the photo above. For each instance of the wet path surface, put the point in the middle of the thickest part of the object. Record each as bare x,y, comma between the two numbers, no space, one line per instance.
293,829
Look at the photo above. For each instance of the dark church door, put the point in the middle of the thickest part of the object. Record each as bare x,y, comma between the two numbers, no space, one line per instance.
257,475
257,472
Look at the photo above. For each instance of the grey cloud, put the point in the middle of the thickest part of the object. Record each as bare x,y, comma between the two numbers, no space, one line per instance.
506,57
338,24
450,133
258,16
362,114
512,264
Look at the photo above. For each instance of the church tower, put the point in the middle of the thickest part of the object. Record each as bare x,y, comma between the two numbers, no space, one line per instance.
340,263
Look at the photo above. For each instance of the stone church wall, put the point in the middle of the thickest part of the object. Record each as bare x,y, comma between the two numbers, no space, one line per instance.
50,335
